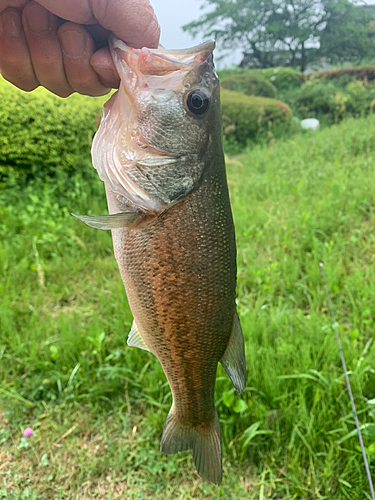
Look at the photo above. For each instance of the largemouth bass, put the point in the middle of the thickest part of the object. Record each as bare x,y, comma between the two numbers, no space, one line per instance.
159,152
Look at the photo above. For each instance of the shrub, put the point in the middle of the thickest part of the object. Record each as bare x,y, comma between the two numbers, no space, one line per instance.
249,84
40,129
282,78
41,133
224,73
354,73
321,98
244,117
315,99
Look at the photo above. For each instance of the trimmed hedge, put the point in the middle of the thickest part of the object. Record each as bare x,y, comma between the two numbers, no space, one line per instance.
365,73
249,84
246,116
283,79
320,98
40,129
44,133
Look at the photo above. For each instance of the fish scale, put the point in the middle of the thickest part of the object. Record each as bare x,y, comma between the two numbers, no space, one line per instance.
178,260
191,297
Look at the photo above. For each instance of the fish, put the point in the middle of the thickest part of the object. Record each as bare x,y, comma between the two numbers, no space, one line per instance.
159,152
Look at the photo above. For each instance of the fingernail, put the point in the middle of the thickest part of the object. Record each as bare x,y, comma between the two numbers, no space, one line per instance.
38,19
10,24
73,43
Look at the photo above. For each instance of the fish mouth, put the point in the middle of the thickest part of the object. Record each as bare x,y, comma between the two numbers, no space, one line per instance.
161,61
208,44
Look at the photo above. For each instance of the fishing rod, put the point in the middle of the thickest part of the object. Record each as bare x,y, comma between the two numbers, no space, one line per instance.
348,384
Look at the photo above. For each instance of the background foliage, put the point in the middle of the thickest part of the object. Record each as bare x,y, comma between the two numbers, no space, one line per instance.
281,32
245,117
249,84
329,96
98,407
41,130
42,133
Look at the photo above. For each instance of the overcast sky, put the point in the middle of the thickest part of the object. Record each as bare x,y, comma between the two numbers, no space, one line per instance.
172,14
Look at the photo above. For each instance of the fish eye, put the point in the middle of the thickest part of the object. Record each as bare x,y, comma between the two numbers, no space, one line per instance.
197,102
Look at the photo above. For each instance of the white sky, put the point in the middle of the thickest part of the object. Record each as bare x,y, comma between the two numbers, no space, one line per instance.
173,14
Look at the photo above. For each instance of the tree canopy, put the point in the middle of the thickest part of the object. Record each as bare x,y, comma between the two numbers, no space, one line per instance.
289,32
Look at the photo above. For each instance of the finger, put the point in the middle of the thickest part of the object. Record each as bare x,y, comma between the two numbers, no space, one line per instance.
77,48
133,21
17,4
15,62
40,28
98,34
72,10
102,63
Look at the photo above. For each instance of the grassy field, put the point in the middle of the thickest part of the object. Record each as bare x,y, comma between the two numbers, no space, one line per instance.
98,407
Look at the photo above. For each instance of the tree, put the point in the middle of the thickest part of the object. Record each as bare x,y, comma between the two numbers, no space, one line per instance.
288,32
349,34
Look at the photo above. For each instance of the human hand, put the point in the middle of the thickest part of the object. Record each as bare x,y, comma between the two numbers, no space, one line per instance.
63,45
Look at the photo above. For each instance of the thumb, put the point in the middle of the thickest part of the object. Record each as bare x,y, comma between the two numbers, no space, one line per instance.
133,21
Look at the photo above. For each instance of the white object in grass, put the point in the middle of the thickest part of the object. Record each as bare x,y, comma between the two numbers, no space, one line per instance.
310,123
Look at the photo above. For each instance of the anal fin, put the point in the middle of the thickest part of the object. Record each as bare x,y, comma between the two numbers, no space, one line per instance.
135,339
204,440
233,360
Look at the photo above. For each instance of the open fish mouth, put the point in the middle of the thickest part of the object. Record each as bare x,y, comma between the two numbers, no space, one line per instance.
160,70
159,62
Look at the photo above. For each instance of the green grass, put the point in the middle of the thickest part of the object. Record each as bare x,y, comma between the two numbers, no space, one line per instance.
98,407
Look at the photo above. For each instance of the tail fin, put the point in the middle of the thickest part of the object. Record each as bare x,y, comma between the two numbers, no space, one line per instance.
204,440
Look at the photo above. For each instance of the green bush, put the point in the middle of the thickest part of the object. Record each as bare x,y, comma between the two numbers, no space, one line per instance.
249,84
353,73
282,78
323,99
244,117
41,130
225,72
41,133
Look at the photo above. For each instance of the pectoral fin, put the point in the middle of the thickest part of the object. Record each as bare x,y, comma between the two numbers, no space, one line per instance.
233,360
135,339
115,221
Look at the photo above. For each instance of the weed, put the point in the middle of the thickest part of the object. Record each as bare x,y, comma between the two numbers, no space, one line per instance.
97,407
